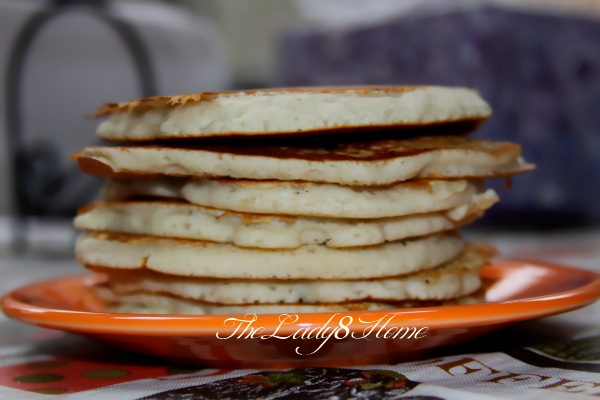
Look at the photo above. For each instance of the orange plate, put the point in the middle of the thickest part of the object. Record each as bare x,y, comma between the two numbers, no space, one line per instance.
519,290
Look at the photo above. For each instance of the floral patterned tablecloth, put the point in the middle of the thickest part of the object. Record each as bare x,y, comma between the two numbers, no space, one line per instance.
552,358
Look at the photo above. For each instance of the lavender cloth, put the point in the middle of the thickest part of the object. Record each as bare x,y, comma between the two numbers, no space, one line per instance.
541,74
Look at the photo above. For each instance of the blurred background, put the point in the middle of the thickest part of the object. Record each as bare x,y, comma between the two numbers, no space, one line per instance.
537,62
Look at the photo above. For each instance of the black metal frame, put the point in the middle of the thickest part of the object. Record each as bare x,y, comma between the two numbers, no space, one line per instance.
19,154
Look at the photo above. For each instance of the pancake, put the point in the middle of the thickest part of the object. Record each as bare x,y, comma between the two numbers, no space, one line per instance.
217,260
456,278
309,199
288,112
188,221
153,303
373,163
290,200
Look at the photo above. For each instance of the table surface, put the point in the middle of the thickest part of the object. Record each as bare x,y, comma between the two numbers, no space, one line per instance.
556,357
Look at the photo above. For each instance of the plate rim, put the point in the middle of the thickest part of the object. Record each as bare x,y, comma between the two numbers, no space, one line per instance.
439,317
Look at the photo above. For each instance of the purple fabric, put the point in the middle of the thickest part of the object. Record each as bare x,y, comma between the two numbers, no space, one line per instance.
541,74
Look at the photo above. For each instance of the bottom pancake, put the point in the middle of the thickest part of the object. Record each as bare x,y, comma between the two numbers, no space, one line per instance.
135,291
152,303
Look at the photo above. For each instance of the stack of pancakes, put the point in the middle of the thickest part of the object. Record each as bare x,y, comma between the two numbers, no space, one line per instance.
290,200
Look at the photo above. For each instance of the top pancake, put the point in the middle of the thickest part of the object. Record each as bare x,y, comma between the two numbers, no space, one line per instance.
290,112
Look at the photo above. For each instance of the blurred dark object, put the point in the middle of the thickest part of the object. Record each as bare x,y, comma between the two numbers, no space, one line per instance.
63,59
540,73
95,3
41,184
